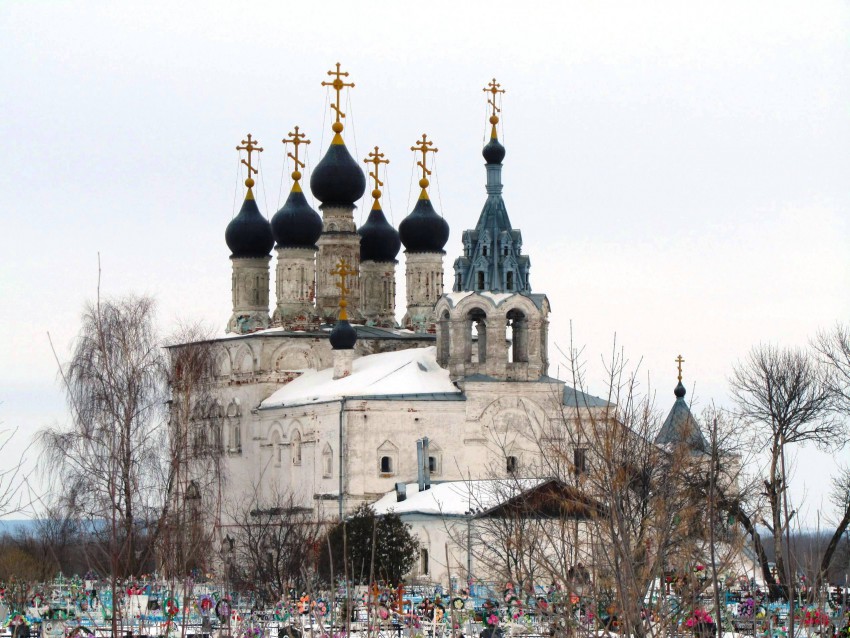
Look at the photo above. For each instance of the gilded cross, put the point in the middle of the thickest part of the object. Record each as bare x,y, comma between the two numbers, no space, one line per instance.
338,85
679,360
342,270
376,158
424,146
250,146
493,88
296,139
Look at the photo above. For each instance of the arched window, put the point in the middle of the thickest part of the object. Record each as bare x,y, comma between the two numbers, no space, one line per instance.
327,461
386,465
236,438
511,464
480,282
276,448
296,448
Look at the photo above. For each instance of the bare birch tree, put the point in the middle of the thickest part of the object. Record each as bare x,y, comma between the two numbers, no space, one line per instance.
784,393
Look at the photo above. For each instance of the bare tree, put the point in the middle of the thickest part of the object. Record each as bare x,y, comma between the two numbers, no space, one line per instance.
784,393
275,543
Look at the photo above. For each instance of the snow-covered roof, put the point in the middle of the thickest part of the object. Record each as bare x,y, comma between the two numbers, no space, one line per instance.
455,498
409,371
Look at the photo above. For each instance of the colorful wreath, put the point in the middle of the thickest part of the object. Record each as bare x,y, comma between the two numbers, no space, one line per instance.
172,607
320,608
205,605
37,600
457,603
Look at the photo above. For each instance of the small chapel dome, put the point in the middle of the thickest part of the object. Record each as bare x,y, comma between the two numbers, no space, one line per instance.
423,230
337,180
343,336
296,225
493,152
379,241
679,391
249,234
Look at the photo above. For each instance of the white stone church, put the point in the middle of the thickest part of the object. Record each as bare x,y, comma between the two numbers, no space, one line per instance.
338,412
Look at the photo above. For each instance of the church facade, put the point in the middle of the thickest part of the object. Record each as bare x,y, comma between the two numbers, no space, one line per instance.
318,393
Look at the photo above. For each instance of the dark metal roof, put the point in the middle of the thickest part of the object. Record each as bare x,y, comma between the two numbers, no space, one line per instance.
680,426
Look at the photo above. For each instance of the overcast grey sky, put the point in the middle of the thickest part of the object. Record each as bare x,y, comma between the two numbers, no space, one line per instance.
679,169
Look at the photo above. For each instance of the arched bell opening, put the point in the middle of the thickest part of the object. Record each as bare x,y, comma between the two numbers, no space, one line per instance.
516,331
444,338
475,349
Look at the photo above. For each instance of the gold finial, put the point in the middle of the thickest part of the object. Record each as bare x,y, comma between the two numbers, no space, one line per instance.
296,139
250,146
376,158
494,88
342,270
679,360
338,85
424,146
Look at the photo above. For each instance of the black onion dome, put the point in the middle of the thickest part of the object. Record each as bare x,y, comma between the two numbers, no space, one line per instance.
423,231
249,234
379,241
493,152
296,225
679,391
343,336
337,179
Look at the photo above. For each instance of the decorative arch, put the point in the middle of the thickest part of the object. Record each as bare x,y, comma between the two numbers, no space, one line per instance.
234,408
293,357
387,459
244,360
223,367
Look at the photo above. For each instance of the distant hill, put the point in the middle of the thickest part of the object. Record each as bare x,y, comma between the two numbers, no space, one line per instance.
14,526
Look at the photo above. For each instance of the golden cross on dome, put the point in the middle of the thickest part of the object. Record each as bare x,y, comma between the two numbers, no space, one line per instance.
679,360
338,85
343,271
250,146
493,88
296,139
377,158
424,146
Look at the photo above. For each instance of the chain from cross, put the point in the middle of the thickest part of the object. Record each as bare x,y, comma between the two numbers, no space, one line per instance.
375,157
250,146
679,360
424,146
338,85
296,139
343,271
493,88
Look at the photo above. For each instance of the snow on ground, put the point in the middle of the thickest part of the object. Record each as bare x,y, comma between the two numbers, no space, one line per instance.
409,371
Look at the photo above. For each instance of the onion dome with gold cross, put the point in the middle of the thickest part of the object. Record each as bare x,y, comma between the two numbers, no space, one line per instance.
423,230
249,234
379,241
493,151
337,179
296,225
343,336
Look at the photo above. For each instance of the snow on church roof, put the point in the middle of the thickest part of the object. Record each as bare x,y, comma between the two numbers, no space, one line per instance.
455,498
409,371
